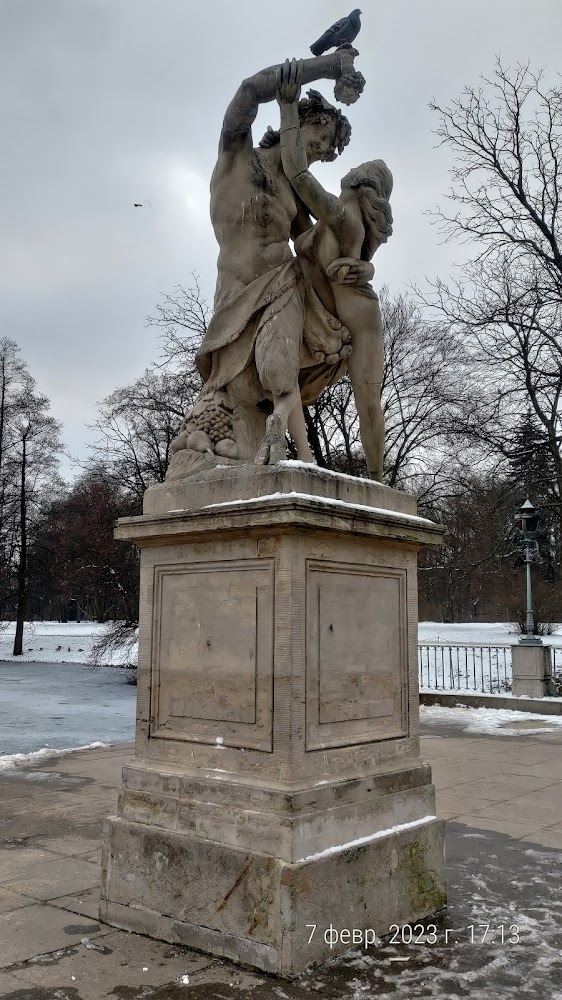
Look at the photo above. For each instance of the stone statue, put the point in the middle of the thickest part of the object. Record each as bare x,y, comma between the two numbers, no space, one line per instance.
285,326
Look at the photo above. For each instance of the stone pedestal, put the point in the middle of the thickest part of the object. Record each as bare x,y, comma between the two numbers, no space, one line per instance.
532,671
278,788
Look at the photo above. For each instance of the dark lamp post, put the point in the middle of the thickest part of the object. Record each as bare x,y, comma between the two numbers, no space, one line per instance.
527,522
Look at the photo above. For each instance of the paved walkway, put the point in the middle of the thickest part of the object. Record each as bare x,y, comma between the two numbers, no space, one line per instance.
503,796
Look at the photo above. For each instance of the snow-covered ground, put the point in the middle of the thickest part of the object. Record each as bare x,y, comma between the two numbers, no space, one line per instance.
57,642
490,721
13,761
482,633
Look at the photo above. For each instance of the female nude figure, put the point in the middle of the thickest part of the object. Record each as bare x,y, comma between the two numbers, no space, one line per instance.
332,254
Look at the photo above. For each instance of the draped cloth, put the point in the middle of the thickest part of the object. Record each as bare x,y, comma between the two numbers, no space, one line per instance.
228,346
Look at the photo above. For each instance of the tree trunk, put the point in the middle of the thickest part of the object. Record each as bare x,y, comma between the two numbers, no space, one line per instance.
22,566
314,439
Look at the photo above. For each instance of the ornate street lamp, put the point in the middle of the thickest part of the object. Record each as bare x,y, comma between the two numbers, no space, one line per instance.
527,522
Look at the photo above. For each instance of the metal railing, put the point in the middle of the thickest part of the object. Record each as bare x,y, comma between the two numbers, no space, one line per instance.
443,667
556,659
472,667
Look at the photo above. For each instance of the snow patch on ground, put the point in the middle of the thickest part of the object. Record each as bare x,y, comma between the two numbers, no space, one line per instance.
480,633
61,642
13,761
490,721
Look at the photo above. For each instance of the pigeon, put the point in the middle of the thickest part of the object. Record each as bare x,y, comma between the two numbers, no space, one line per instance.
342,32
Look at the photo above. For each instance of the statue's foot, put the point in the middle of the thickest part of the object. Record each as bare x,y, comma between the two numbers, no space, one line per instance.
273,448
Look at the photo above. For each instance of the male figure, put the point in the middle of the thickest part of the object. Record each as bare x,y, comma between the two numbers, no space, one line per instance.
254,210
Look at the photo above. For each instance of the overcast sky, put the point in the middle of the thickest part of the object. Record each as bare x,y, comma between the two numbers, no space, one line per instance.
104,103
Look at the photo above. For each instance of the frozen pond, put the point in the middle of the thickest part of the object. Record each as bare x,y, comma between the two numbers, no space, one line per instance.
59,705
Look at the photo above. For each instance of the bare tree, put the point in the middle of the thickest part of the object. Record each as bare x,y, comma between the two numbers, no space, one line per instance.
423,387
16,386
29,443
506,195
424,383
138,422
183,317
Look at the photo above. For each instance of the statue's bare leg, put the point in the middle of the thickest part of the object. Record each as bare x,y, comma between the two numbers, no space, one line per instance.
297,430
277,354
273,448
361,314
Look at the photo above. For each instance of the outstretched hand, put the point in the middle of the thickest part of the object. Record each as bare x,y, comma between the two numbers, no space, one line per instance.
288,83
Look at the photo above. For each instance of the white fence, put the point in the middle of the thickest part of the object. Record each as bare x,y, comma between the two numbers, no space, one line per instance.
471,667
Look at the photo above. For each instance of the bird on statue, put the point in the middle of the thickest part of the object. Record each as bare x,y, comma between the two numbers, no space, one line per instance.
342,32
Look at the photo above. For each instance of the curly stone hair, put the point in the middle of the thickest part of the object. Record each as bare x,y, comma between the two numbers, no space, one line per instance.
373,184
316,110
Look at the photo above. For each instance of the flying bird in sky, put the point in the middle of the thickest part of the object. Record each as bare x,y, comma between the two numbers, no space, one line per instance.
142,204
344,30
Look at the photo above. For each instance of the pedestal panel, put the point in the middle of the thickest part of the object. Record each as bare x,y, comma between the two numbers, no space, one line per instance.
357,659
212,653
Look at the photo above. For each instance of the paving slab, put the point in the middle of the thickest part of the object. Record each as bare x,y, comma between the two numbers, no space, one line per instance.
539,807
503,787
451,805
56,878
119,965
71,845
550,836
12,901
35,930
16,861
9,986
446,777
517,831
85,903
548,769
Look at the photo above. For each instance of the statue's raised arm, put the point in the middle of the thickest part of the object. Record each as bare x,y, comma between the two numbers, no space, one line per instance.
261,88
321,203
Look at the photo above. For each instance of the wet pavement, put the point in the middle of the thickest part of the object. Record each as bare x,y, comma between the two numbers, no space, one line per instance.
500,936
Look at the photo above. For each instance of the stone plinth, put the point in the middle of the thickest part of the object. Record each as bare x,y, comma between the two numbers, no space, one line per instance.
532,671
278,783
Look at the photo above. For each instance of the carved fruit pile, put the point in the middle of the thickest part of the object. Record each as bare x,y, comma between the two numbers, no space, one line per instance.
216,422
